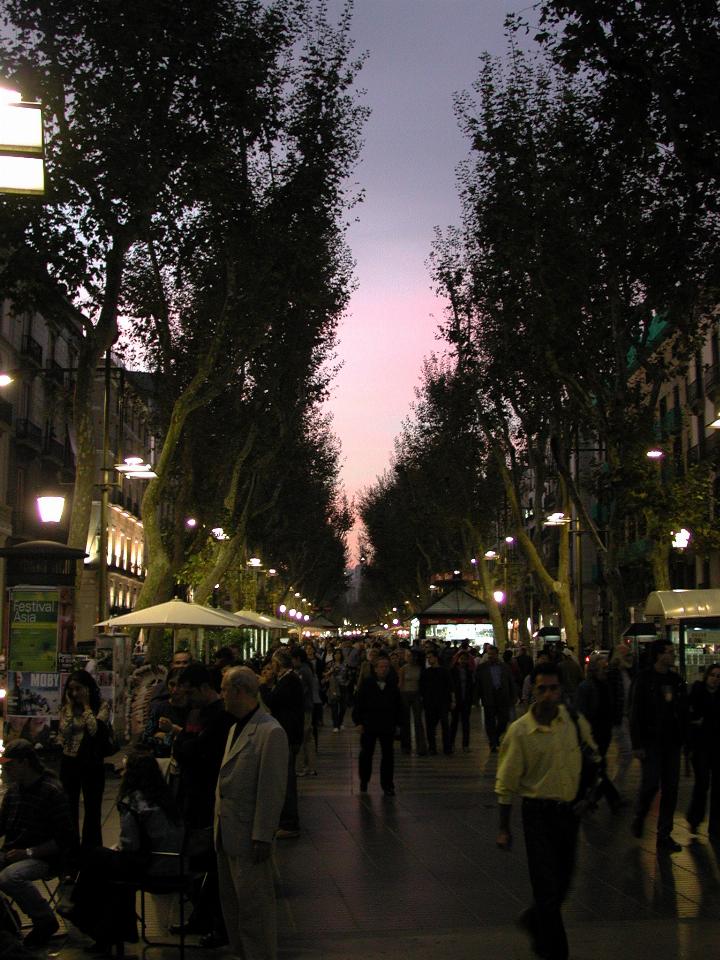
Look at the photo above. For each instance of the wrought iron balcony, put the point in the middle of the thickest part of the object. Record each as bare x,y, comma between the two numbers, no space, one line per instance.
53,450
31,349
28,433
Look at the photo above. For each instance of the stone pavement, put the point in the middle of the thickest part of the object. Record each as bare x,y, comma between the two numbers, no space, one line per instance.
418,877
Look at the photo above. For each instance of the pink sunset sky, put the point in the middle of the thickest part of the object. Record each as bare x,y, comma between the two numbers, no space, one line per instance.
421,52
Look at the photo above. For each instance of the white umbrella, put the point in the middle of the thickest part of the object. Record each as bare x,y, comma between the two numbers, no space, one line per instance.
178,613
262,620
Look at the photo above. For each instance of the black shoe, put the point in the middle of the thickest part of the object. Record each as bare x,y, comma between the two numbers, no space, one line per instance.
668,845
389,791
213,940
41,932
528,923
636,827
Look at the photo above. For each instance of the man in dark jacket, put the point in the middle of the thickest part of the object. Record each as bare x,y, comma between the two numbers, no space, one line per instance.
497,694
281,691
39,836
436,693
657,730
378,711
198,751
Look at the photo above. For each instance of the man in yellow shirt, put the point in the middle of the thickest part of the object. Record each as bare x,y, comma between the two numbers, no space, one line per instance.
541,761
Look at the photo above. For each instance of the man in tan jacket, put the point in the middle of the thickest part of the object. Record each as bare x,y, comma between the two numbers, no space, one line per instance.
249,798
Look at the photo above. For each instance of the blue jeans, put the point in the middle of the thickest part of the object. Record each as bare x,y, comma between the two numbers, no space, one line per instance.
16,880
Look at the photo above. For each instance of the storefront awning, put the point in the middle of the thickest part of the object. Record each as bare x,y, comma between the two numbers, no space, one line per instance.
683,604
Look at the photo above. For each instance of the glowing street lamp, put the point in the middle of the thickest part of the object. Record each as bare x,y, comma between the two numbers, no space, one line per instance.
490,554
255,562
681,538
21,145
654,454
282,608
499,596
50,507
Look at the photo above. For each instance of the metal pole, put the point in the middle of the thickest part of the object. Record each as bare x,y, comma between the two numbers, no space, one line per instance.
106,479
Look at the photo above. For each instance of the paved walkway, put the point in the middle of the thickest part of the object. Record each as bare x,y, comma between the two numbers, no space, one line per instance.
419,877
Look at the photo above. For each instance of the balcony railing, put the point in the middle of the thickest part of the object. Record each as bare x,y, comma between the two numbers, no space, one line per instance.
54,450
695,395
32,349
669,424
28,432
711,378
54,372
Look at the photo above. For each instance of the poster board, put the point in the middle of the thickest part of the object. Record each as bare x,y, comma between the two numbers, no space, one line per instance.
34,629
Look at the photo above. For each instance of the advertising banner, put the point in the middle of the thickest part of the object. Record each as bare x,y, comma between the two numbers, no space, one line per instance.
33,704
34,630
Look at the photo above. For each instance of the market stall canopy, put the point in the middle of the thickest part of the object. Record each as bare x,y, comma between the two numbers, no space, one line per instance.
263,620
178,613
456,604
683,604
319,623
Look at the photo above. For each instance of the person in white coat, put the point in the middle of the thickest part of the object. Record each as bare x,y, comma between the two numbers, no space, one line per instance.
248,801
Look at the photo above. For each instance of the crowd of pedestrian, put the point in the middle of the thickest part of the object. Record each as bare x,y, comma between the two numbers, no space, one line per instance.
214,776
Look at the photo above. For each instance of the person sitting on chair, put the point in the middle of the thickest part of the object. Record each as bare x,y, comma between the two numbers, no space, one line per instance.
149,821
39,836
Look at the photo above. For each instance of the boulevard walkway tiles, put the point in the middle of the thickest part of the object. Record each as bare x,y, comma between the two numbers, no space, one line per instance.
418,876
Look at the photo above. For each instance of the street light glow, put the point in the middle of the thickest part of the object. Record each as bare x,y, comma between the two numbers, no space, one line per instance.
681,538
255,562
509,539
191,522
490,554
282,608
499,596
6,379
50,508
8,95
654,454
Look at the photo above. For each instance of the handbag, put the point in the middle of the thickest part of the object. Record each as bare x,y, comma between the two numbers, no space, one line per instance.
591,771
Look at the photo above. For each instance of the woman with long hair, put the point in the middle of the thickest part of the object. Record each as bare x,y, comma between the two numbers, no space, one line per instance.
83,716
149,822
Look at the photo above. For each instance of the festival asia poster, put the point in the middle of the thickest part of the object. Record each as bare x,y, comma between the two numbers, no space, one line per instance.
34,630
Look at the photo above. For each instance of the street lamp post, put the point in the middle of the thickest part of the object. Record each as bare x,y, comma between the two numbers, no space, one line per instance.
21,145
